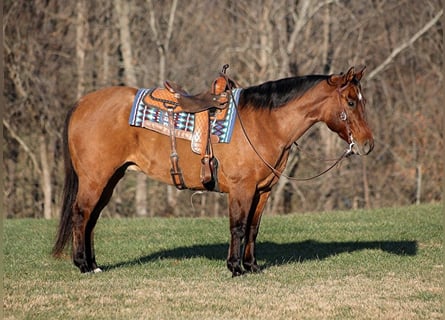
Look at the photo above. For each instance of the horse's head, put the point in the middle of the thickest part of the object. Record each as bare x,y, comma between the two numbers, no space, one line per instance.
346,112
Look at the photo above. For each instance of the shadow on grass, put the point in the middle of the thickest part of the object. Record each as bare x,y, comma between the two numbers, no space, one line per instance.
277,253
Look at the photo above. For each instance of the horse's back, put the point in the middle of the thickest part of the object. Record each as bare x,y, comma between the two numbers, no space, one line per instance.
106,100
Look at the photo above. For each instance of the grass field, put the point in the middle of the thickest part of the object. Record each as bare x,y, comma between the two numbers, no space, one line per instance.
379,264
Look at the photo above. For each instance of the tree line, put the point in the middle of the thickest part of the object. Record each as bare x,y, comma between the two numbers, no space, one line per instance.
57,51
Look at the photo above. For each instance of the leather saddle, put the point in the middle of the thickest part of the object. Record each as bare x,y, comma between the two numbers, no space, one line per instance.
206,106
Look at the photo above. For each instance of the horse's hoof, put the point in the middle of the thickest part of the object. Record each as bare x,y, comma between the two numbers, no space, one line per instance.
254,268
236,268
237,273
97,270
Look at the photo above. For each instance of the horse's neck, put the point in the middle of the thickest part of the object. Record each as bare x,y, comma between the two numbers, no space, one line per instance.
294,119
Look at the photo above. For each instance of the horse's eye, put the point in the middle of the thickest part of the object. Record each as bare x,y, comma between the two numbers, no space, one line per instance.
351,103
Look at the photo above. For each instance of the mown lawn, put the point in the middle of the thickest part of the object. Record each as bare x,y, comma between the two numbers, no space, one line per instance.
379,264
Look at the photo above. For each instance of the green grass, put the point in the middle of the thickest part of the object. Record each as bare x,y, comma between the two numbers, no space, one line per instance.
379,264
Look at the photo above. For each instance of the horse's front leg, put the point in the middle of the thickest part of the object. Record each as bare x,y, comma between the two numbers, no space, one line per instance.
240,203
249,260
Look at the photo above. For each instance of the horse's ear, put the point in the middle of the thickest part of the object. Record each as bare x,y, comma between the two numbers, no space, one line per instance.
340,80
349,75
359,73
337,80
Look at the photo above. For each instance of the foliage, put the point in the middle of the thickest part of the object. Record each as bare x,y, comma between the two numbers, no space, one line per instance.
57,51
379,264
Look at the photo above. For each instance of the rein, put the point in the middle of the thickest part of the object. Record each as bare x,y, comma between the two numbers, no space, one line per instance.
277,173
345,154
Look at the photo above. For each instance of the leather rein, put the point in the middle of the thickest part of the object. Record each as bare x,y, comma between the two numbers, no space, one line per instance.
277,173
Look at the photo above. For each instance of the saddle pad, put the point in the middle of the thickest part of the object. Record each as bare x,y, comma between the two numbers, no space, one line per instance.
150,117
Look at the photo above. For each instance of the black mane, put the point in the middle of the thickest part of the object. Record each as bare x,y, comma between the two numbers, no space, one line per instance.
274,94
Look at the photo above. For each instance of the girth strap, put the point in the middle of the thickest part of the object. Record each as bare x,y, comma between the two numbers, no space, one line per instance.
175,171
207,168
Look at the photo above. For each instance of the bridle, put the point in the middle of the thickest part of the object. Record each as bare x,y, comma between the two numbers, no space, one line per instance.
348,152
344,117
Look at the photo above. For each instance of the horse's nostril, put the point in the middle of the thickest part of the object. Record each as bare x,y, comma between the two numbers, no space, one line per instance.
368,146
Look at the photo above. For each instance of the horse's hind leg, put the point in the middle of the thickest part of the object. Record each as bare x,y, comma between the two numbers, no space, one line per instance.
103,201
87,198
90,201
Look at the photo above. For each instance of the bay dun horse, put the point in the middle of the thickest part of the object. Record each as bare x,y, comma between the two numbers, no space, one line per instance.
100,145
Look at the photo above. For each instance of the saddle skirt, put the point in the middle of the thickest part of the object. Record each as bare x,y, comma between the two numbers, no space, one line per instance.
152,114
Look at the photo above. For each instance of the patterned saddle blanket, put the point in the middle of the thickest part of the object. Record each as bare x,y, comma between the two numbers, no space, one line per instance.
147,114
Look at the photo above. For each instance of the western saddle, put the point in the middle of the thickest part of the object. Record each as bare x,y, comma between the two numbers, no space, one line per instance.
205,106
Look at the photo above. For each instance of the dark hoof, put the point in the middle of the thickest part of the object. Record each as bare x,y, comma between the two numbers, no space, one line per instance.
85,268
252,268
237,273
236,268
90,271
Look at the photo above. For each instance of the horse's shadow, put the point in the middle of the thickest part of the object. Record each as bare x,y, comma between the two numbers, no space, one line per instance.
274,254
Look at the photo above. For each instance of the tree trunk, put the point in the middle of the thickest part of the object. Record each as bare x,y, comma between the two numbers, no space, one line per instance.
327,189
130,79
81,44
418,183
125,41
366,185
278,201
163,43
141,195
46,179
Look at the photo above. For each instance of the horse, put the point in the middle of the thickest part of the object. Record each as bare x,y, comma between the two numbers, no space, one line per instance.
271,117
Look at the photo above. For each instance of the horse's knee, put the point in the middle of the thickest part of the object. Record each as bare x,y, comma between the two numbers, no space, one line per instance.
238,231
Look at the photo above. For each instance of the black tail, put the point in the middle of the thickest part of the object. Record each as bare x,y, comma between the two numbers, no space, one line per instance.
64,232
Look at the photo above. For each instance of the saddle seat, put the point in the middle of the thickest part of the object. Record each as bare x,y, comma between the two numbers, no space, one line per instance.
199,102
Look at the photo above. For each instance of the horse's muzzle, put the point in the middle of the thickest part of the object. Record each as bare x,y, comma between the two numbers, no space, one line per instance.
363,148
